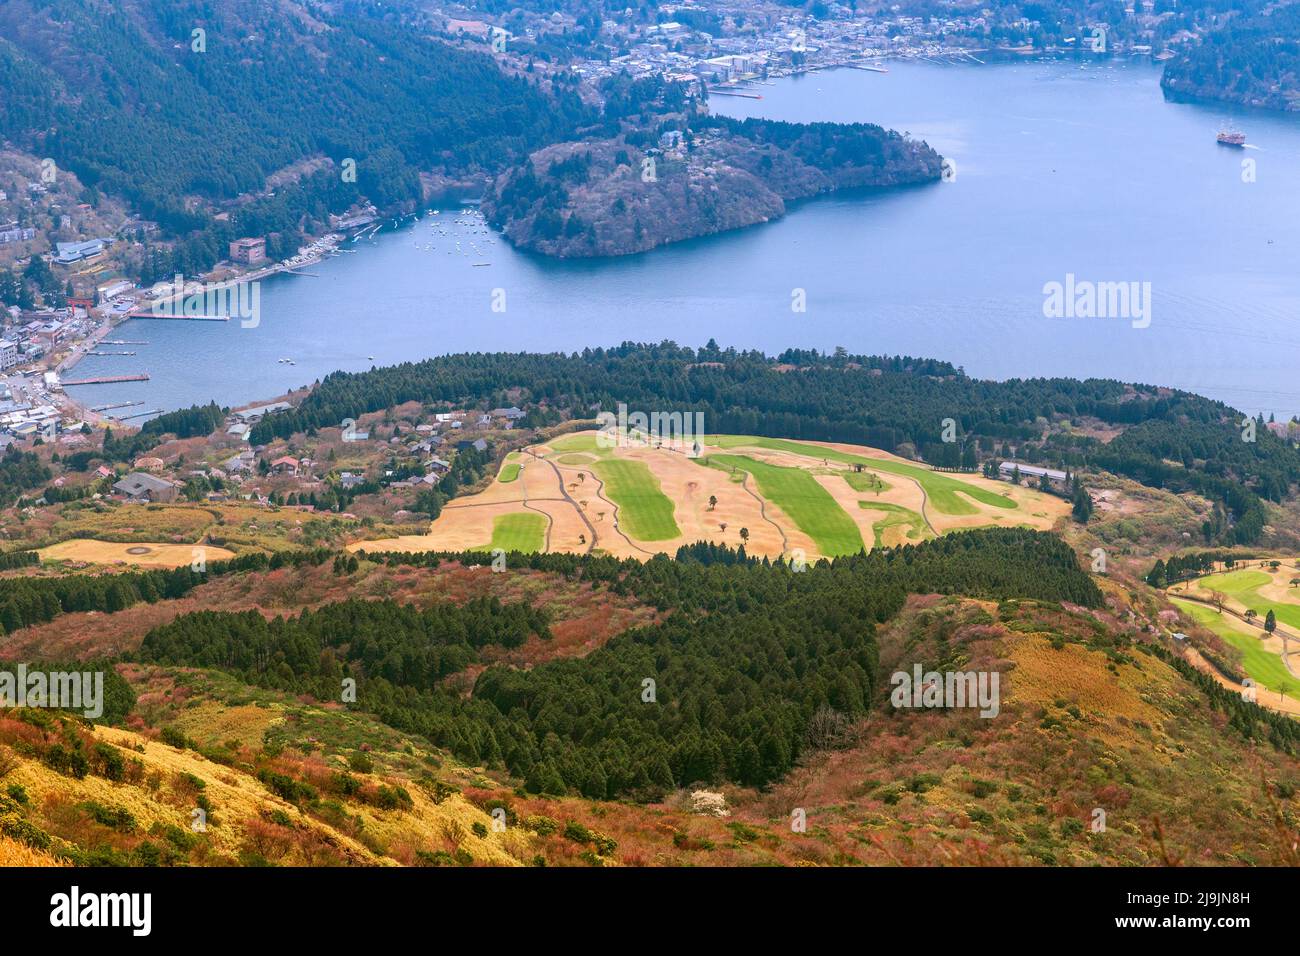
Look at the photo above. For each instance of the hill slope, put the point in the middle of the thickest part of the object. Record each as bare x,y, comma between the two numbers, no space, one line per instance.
132,99
1092,716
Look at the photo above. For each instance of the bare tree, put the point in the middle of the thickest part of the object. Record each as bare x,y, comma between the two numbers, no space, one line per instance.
8,762
829,729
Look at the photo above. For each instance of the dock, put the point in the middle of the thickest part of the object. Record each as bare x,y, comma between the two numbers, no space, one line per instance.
176,317
123,418
110,353
104,408
106,379
122,342
748,96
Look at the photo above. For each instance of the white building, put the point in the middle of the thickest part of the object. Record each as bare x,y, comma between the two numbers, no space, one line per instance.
8,355
1008,468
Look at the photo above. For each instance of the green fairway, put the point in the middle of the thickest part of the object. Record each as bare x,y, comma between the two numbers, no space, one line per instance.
1243,586
1234,583
943,492
575,459
644,511
809,505
864,481
576,441
509,471
519,532
895,516
1264,667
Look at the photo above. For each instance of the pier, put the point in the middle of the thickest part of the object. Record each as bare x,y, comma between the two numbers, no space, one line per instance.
123,418
104,408
106,379
110,353
122,342
177,317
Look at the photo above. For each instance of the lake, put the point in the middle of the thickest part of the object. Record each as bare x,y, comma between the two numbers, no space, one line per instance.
1061,168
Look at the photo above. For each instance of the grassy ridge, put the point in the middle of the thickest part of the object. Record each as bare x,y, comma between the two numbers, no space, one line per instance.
809,505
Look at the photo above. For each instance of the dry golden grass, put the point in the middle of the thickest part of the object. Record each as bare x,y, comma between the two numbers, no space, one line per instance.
176,523
13,853
240,805
1043,674
140,554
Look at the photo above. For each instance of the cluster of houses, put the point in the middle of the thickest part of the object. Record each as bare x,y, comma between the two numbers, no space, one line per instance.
12,232
22,420
773,40
34,333
146,483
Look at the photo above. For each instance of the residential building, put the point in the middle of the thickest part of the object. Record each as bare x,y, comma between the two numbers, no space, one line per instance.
140,487
248,250
257,411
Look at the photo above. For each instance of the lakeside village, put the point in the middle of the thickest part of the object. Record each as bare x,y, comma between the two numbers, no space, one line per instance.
732,48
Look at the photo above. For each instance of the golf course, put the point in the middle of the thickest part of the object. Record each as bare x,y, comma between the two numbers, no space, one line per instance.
778,498
1234,604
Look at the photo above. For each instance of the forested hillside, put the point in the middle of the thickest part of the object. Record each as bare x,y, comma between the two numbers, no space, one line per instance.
748,655
118,93
1170,439
1253,60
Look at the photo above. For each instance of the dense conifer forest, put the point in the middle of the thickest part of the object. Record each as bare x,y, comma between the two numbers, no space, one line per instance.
723,689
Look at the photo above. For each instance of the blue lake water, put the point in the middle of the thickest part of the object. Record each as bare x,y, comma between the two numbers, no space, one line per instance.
1061,168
